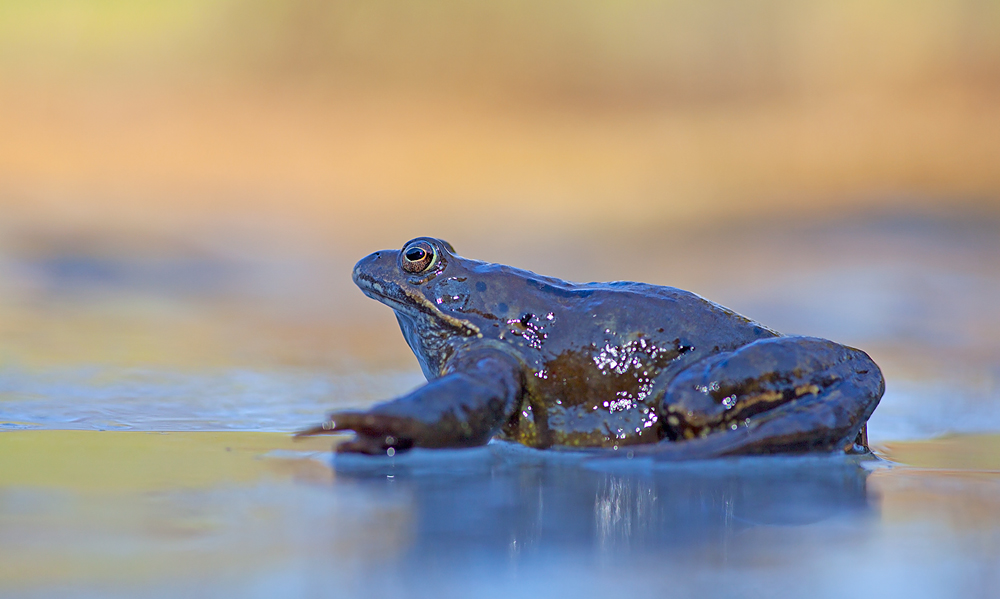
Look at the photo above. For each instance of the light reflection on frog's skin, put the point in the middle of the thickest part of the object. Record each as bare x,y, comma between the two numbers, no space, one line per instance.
549,363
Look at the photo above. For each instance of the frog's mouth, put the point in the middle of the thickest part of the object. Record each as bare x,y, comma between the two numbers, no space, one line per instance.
403,300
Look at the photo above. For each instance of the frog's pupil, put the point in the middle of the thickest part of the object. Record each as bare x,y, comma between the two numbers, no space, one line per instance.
415,254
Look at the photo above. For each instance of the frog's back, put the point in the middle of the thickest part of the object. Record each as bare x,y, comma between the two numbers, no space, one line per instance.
543,318
586,314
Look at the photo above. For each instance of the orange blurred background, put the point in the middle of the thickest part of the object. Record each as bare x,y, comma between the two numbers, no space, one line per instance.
155,113
299,135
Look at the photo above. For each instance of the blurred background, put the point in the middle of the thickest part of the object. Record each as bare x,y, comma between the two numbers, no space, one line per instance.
185,185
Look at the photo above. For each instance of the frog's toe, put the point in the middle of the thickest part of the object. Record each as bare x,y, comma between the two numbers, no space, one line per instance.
336,422
360,422
376,433
380,445
390,426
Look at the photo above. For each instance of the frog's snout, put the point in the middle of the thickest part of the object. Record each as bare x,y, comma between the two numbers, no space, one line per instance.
365,266
373,269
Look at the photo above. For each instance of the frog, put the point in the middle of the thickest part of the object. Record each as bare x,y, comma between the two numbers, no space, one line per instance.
510,355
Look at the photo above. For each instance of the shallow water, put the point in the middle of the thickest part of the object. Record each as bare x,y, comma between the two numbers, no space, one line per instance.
145,407
254,514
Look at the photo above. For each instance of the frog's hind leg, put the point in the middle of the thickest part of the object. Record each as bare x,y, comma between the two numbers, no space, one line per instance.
785,394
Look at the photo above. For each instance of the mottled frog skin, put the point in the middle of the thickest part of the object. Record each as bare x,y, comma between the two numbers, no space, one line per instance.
513,355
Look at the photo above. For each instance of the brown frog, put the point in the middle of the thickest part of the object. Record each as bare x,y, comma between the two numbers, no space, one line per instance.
512,355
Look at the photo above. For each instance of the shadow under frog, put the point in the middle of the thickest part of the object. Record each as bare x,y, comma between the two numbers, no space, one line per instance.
546,363
509,504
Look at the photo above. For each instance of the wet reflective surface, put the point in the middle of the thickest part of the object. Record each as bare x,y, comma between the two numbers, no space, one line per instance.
247,514
144,446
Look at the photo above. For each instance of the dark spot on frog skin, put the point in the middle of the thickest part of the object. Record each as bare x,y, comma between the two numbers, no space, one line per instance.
480,286
502,308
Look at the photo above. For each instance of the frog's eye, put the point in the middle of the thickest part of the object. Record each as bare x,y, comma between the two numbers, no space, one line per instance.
417,256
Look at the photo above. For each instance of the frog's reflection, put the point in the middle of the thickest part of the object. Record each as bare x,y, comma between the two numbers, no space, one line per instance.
488,502
623,507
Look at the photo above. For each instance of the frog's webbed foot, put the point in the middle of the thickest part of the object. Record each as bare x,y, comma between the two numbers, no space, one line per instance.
463,408
786,394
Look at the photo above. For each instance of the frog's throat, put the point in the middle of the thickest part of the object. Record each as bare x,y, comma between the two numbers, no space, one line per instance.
465,326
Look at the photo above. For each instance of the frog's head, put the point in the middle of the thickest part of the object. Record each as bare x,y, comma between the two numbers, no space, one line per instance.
422,283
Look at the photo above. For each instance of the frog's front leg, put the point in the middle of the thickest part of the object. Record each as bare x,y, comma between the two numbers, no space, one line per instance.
465,407
785,394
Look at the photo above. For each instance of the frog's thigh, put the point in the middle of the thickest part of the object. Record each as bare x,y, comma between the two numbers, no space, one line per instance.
778,394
